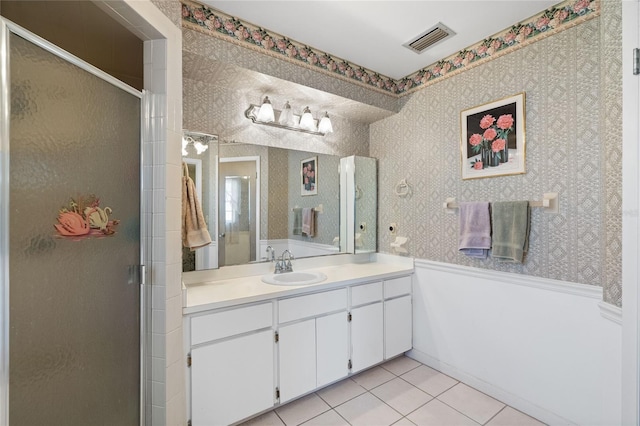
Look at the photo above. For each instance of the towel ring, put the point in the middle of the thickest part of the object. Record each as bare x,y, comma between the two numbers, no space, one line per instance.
402,188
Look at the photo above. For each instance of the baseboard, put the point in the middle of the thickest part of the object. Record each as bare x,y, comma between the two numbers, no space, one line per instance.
489,389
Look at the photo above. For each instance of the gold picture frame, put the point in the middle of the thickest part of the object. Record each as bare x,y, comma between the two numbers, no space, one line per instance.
492,138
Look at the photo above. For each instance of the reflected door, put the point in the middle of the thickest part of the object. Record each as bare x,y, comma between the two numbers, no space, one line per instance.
237,212
74,336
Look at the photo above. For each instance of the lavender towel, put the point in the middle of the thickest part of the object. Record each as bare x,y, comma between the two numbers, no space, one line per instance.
475,229
510,221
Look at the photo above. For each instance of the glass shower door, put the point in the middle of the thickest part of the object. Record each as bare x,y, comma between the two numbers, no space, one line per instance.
74,245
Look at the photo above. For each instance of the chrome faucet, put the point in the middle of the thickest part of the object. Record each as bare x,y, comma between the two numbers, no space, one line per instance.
271,258
284,264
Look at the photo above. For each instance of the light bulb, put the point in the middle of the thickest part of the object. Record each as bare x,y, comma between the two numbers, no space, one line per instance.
286,116
184,146
306,121
265,114
325,124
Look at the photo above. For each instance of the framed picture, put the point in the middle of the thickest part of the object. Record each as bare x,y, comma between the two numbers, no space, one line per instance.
493,138
309,176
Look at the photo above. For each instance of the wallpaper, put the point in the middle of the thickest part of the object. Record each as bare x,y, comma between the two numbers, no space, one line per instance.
574,144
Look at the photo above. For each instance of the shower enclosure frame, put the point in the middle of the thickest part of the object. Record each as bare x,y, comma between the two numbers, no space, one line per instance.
6,28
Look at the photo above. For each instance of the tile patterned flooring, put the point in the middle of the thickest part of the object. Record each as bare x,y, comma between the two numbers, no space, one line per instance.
401,392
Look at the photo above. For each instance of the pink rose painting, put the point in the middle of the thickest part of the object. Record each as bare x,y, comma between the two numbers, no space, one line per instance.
493,140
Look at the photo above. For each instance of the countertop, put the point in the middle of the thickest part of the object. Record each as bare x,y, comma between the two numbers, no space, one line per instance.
205,290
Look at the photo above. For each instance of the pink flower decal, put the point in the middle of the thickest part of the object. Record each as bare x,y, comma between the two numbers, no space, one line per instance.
230,27
490,134
487,121
542,23
505,122
185,11
477,165
475,139
498,145
281,45
199,15
580,6
71,224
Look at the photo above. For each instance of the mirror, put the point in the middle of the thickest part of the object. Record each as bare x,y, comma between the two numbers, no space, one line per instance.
253,197
358,205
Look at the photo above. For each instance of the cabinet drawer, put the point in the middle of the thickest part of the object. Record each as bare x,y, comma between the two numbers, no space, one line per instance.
222,324
397,287
367,293
312,305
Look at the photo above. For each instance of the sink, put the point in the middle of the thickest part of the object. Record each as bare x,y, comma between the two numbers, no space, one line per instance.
295,278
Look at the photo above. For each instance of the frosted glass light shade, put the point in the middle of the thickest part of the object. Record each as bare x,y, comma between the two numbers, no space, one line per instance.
200,147
266,111
184,146
325,124
286,116
306,121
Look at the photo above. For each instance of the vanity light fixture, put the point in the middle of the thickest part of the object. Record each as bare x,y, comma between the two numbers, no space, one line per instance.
306,121
266,111
286,116
286,119
325,124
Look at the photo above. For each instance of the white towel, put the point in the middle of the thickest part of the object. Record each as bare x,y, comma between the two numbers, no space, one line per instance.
194,228
475,229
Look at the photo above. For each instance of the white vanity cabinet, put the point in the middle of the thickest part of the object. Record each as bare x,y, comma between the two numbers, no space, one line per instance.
367,341
232,364
312,342
247,358
398,317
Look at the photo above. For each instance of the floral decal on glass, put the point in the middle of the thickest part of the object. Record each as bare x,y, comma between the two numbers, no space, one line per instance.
83,217
493,138
554,19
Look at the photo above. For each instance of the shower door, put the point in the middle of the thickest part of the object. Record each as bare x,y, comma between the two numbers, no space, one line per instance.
74,241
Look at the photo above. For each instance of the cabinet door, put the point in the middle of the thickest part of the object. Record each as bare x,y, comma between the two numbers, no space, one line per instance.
232,379
332,334
367,344
397,326
297,354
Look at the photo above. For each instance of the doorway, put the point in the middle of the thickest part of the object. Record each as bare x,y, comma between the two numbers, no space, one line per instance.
239,210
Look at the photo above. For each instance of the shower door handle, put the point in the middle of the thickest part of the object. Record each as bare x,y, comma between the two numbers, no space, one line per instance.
221,235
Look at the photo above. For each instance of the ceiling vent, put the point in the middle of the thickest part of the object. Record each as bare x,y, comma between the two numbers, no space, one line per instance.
431,37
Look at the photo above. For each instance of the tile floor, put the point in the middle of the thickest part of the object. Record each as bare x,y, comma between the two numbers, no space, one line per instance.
401,392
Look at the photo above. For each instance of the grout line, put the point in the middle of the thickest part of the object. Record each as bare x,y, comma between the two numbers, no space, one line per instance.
500,411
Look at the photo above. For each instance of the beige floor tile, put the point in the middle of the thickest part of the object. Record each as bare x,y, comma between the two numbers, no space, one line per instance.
429,380
400,365
373,377
306,408
404,422
401,396
267,419
435,413
330,418
341,392
367,410
472,403
513,417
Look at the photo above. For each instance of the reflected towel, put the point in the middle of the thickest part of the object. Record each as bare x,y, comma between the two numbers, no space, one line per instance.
194,228
297,221
308,222
474,238
510,222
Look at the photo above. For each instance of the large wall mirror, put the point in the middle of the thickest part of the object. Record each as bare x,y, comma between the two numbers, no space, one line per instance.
255,199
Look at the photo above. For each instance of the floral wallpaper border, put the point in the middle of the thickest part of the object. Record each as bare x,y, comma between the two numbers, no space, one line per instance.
557,18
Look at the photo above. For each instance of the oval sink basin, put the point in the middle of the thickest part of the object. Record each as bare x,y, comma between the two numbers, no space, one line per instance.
295,278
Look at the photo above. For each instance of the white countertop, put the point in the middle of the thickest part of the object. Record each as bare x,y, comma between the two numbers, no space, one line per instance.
205,290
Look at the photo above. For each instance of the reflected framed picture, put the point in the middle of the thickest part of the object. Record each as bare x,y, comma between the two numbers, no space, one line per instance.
309,176
492,141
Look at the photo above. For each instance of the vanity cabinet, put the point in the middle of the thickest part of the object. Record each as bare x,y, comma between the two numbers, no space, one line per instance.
232,364
398,317
246,359
367,341
312,342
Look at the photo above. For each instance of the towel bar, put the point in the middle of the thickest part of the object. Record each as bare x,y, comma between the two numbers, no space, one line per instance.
549,203
319,209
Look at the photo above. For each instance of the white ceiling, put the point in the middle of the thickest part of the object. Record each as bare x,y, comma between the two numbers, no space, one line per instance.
371,33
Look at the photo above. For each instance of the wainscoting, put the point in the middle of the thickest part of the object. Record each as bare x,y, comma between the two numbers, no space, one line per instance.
549,348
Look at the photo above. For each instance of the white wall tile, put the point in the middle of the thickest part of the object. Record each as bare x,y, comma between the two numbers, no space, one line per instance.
158,394
158,369
175,379
158,345
174,346
174,280
158,415
176,410
158,321
158,297
159,274
173,313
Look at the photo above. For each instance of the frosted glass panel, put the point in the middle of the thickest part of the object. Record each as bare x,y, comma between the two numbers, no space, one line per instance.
74,311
